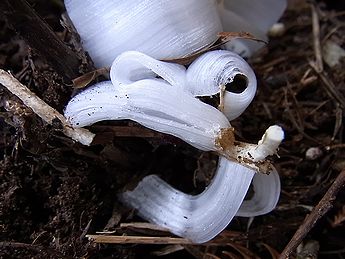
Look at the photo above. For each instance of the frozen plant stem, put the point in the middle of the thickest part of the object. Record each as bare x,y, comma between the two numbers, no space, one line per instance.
43,110
251,155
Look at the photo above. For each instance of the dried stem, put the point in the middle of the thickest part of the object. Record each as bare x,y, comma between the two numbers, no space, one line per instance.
252,156
222,89
43,110
137,240
223,239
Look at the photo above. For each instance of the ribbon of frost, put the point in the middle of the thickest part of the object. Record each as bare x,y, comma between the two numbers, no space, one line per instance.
168,105
154,104
168,29
200,217
202,78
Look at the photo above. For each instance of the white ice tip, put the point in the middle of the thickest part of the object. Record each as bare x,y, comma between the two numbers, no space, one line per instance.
275,133
269,143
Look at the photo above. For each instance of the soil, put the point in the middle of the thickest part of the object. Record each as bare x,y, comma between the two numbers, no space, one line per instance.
53,191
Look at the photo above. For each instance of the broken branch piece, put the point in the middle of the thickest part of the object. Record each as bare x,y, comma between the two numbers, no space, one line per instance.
43,110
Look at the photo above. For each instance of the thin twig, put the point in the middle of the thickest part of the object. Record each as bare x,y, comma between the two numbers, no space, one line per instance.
138,240
43,110
154,240
316,38
221,97
222,239
318,212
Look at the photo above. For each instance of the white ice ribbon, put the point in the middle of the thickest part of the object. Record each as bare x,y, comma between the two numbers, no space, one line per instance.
160,28
154,104
173,29
200,217
167,29
161,106
202,78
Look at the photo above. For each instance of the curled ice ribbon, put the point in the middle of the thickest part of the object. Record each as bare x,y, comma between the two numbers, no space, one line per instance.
168,29
167,105
204,76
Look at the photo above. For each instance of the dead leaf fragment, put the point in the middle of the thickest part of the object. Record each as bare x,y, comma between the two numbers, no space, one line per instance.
86,79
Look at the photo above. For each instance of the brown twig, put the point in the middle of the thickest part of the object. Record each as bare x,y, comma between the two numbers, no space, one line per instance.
318,212
222,239
138,240
43,110
155,240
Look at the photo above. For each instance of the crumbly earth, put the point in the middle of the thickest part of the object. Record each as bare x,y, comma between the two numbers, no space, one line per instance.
53,192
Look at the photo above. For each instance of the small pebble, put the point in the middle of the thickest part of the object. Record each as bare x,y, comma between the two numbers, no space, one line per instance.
277,30
313,153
